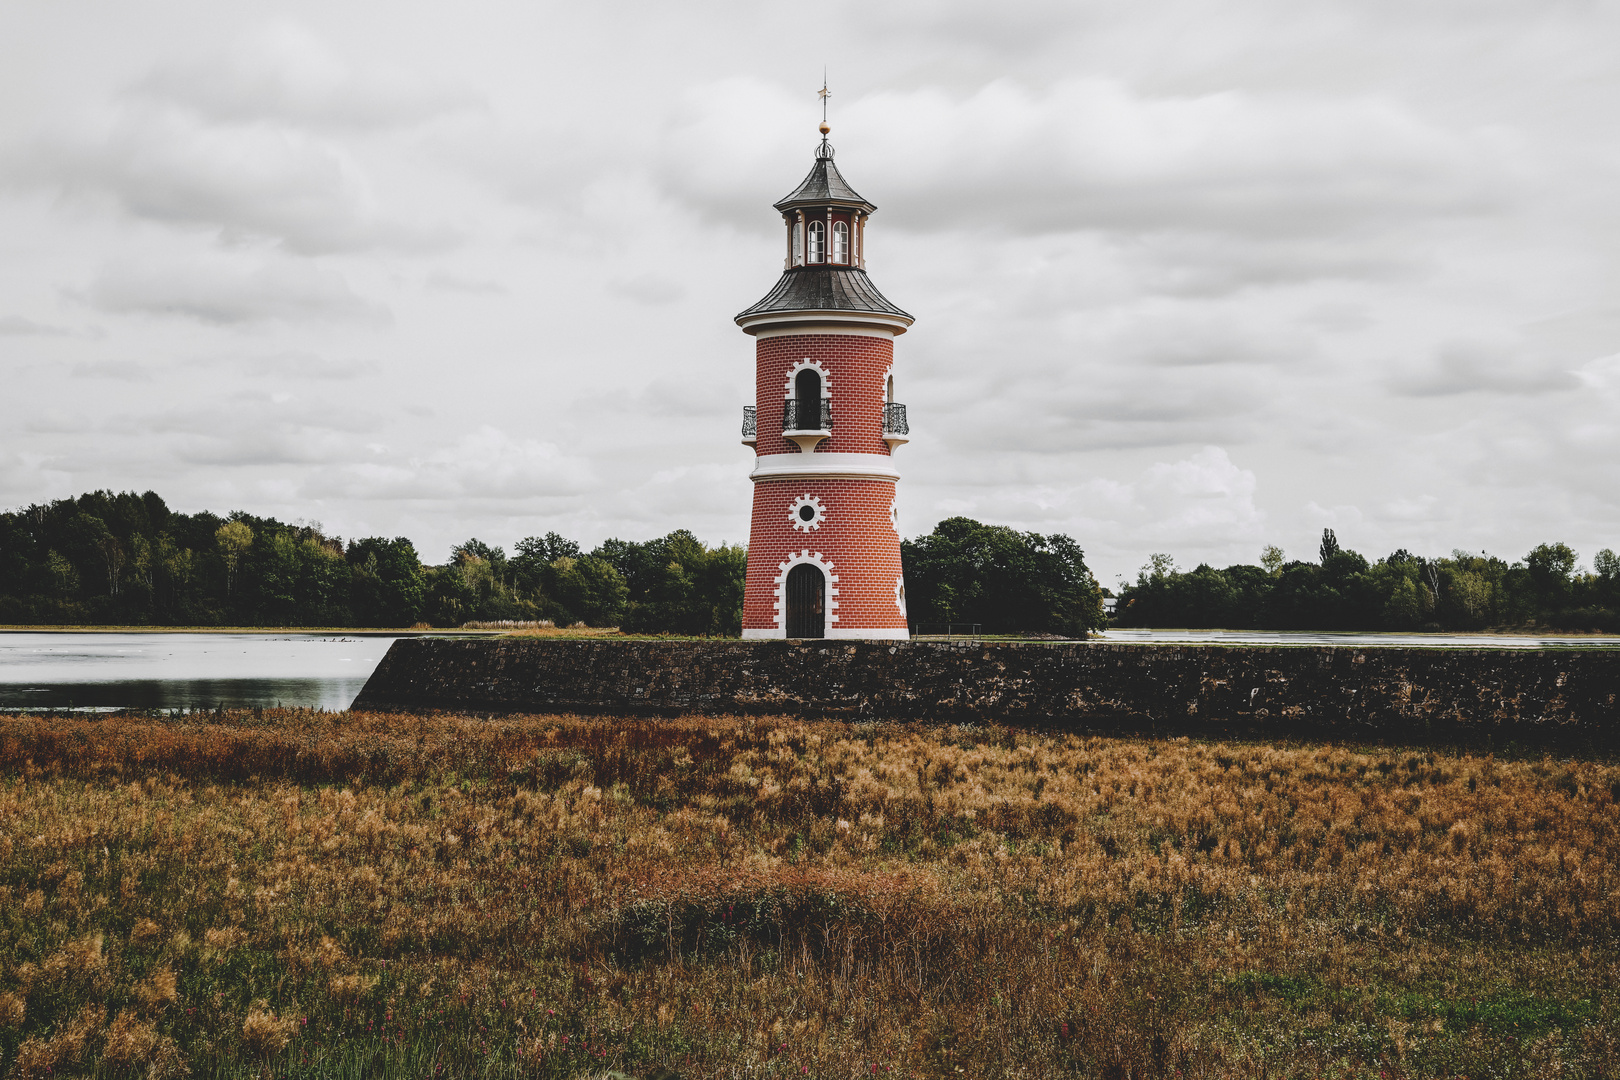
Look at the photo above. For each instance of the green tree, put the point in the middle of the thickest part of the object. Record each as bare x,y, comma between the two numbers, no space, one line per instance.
1551,570
1328,548
1005,580
389,586
677,585
1606,568
589,590
63,573
234,539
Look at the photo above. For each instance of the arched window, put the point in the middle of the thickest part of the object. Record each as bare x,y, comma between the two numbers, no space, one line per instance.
807,398
888,389
798,243
818,241
840,253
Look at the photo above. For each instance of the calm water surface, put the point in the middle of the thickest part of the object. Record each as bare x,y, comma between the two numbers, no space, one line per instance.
185,671
1302,637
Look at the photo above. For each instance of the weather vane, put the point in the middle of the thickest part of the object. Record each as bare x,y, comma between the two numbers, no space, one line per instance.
824,94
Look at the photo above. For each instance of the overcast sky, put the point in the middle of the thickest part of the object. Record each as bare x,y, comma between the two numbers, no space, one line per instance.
1188,277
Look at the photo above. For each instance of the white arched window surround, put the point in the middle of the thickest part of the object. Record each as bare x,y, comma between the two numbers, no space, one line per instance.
798,243
840,242
790,385
817,247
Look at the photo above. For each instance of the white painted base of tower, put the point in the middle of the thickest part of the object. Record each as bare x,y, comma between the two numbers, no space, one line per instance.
838,633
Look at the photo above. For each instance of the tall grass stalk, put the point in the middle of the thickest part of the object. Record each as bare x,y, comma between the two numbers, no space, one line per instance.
299,893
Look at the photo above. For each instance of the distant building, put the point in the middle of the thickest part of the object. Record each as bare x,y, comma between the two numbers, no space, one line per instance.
824,550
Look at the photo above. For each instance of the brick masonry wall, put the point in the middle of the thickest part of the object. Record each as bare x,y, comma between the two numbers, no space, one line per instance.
1479,697
856,536
856,366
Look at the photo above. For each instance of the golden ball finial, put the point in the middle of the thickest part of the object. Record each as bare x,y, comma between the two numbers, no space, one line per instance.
824,128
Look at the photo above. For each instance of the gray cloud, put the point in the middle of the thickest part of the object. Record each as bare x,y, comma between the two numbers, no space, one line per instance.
486,464
118,370
286,75
238,182
1096,154
1187,278
231,292
301,367
445,281
650,288
1475,367
17,326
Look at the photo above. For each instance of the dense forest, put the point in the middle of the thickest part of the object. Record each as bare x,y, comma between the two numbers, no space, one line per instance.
1343,591
127,559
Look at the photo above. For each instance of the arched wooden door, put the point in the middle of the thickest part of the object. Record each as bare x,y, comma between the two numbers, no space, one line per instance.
806,602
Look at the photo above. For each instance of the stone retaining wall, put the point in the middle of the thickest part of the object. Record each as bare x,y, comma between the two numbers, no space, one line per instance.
1476,696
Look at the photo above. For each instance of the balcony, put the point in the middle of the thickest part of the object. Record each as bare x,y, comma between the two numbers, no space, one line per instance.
750,433
797,421
896,429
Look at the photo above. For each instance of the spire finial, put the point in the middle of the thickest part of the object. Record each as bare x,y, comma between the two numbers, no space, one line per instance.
824,151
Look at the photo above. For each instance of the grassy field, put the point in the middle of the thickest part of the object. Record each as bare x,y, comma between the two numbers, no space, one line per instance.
316,894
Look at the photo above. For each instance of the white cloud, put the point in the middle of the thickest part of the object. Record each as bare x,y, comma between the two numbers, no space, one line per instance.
231,290
286,75
1497,367
1096,154
473,274
17,326
237,182
486,464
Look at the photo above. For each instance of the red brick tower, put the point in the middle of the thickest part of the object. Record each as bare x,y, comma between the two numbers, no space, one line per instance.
824,551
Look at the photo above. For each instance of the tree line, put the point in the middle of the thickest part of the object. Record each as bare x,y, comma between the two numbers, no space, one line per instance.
127,559
108,558
1342,590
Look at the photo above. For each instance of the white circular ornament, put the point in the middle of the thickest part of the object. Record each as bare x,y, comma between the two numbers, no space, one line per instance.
806,513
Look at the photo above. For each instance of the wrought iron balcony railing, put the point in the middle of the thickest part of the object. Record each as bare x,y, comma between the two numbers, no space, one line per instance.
750,422
793,421
894,420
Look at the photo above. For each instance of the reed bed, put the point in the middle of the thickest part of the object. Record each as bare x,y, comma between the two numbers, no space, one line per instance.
297,893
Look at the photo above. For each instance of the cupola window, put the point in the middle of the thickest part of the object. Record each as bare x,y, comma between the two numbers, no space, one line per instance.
840,250
798,243
818,241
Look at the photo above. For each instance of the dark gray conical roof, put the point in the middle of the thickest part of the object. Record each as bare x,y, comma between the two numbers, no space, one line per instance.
824,288
824,186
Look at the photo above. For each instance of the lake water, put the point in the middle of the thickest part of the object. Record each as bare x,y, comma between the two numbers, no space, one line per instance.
1302,637
185,671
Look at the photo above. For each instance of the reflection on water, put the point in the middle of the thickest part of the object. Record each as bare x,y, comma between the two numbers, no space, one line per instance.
1309,637
185,671
185,694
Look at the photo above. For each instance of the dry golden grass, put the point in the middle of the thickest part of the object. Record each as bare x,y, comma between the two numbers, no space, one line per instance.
303,893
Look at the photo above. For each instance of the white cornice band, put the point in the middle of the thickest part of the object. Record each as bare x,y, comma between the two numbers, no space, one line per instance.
824,466
848,331
804,321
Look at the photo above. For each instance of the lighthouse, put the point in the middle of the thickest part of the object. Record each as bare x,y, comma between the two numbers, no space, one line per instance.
824,546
